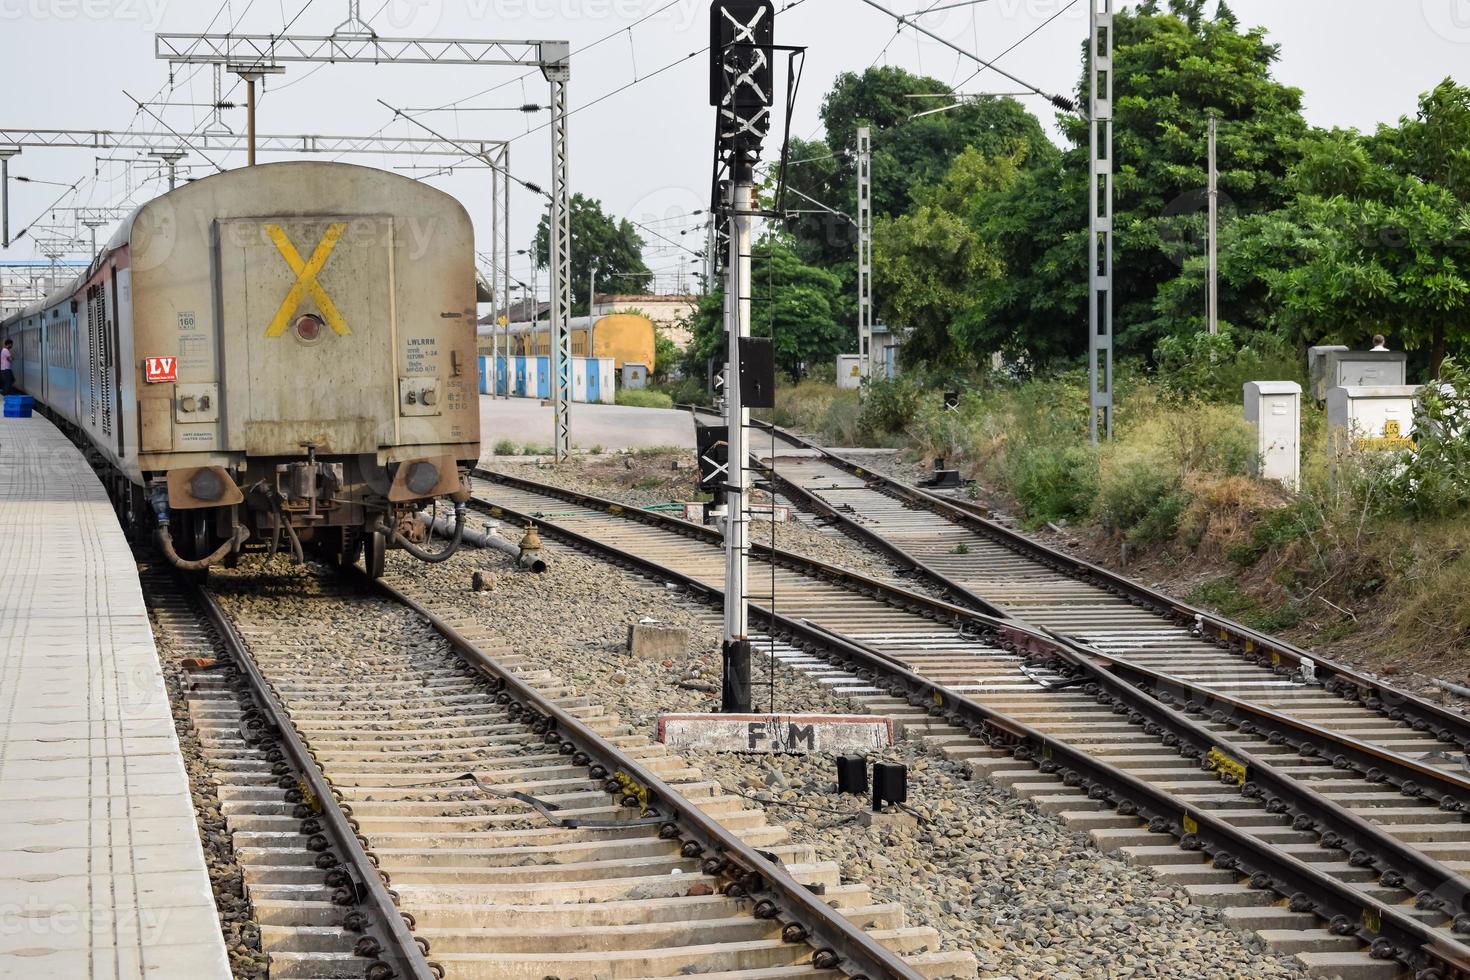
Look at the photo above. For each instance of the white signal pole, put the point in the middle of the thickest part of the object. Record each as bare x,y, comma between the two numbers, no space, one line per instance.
1212,294
865,249
736,695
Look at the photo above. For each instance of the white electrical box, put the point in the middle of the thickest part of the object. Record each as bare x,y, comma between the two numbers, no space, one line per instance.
1274,410
849,370
1360,417
1365,369
1317,368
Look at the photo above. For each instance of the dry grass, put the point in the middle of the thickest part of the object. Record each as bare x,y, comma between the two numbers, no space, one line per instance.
1223,511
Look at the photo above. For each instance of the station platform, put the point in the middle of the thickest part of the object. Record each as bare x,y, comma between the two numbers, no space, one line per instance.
101,870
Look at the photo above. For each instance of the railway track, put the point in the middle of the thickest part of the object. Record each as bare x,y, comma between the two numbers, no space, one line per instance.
445,807
1355,834
990,567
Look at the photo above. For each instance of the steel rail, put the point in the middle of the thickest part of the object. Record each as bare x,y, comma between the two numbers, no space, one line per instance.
1450,790
1397,704
1411,777
676,525
1388,932
1437,887
837,941
387,940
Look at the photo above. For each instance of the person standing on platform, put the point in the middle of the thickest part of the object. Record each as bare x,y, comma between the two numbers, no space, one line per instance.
7,375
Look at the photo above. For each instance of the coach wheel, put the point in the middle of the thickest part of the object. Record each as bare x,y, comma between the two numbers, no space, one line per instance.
375,552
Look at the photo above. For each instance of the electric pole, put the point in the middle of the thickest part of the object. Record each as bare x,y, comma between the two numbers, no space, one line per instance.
1212,293
865,249
251,74
591,317
172,158
1100,220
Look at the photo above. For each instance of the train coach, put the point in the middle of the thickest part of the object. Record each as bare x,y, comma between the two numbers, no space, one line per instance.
277,357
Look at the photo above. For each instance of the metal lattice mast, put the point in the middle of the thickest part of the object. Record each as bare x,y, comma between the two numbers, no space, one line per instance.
107,139
217,122
505,265
1100,220
354,42
6,152
865,249
560,255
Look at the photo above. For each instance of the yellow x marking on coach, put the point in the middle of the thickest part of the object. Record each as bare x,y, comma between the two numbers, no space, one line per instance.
306,283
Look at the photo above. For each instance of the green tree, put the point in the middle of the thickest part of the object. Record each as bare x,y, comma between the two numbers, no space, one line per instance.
1376,239
931,266
907,153
1172,70
599,241
792,302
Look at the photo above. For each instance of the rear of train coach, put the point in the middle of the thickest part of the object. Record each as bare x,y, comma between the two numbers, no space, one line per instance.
294,346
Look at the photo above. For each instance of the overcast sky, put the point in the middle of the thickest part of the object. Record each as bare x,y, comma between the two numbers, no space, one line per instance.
644,151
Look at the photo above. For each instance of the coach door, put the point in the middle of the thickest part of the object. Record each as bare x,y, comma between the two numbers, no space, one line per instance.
308,334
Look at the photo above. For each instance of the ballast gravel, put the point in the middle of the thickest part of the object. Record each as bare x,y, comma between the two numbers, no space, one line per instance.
227,880
991,873
801,535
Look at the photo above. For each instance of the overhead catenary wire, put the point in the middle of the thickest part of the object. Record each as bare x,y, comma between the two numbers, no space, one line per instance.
1059,101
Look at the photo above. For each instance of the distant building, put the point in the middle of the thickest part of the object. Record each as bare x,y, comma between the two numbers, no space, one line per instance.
668,312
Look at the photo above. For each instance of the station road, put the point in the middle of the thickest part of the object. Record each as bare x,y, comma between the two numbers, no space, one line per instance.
527,421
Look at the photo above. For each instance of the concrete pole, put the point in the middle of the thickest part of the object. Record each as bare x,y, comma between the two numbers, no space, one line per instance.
1100,221
249,119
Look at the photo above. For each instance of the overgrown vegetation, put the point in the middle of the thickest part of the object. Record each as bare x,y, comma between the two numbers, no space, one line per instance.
644,398
1374,537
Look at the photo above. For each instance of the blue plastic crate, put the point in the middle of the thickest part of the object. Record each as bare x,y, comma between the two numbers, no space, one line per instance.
18,406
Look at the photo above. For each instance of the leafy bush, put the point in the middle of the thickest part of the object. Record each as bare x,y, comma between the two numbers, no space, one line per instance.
688,390
1160,522
1052,482
505,447
891,404
1128,490
644,398
1434,479
1206,367
665,354
821,409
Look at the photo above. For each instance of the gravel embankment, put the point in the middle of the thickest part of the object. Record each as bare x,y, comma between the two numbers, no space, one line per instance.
237,922
989,872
